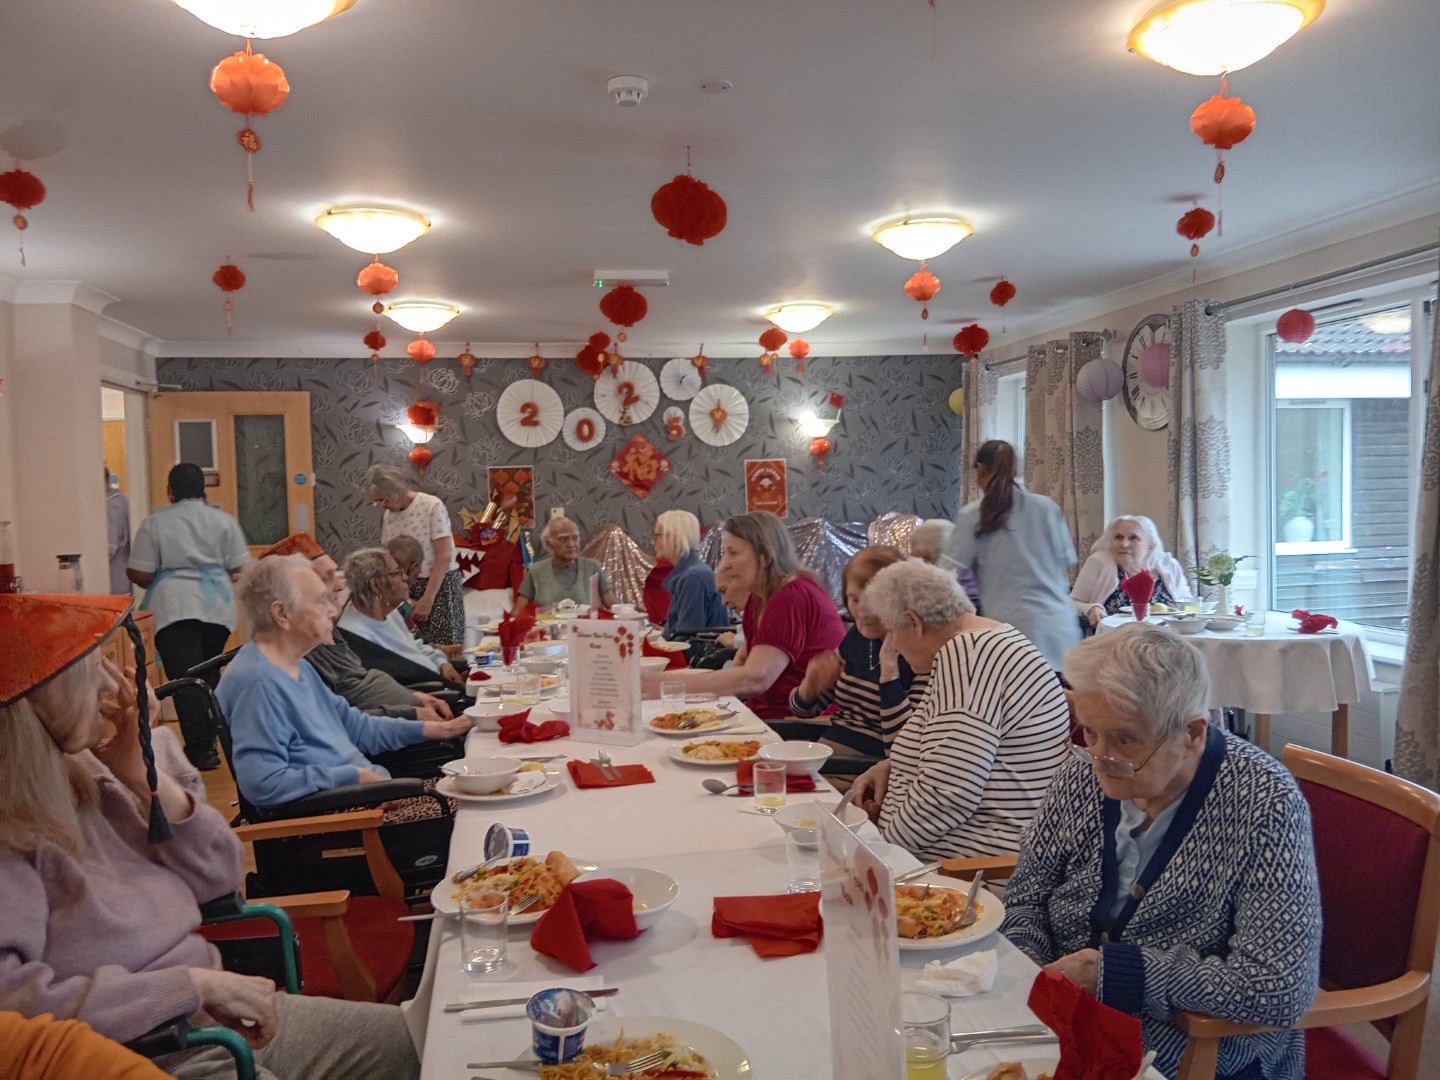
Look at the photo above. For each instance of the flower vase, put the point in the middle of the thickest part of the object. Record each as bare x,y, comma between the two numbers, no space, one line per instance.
1222,599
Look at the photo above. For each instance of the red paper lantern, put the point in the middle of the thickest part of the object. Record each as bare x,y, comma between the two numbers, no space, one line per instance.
1223,122
1002,293
971,340
623,306
250,84
700,361
1194,224
689,210
423,414
377,279
466,360
772,339
536,361
799,348
374,341
920,288
420,456
230,278
21,190
819,447
420,350
1295,326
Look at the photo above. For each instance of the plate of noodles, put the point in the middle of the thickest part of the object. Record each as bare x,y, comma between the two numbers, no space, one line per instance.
715,753
516,878
704,720
697,1052
929,914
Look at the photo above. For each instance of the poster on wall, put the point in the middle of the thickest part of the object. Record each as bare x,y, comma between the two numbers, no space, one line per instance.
515,484
765,486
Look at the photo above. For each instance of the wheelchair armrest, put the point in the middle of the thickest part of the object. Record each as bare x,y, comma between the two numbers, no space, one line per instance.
222,908
166,1038
343,798
176,1035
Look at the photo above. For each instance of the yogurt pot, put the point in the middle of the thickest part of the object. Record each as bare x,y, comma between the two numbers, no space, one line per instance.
558,1019
502,842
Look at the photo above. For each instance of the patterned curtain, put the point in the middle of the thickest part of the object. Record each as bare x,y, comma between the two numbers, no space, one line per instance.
982,390
1064,455
1199,435
1417,723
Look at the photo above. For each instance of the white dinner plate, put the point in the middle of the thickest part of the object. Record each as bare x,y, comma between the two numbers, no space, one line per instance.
677,754
691,733
442,899
992,914
725,1056
499,687
1035,1062
446,787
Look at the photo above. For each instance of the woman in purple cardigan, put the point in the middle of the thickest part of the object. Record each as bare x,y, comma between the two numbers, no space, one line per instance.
103,870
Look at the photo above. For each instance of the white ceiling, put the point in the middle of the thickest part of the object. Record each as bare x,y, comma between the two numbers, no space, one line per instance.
1072,159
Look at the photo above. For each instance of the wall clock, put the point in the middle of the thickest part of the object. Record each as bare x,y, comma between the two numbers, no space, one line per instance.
1149,405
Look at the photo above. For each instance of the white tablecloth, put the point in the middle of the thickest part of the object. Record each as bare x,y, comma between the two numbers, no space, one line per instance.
1282,671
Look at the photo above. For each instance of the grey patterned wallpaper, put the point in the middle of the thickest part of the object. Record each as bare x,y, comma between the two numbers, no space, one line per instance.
897,445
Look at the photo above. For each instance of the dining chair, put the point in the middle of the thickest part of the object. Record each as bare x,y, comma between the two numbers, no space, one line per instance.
1379,869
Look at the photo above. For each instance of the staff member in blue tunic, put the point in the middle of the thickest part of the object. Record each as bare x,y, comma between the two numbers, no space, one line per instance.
694,600
184,556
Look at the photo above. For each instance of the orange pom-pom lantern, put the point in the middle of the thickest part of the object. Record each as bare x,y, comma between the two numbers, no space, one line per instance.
374,341
1295,326
250,84
770,341
21,190
1002,293
921,287
420,456
230,278
971,341
623,306
377,279
1194,224
800,349
689,210
819,447
420,350
1222,122
466,360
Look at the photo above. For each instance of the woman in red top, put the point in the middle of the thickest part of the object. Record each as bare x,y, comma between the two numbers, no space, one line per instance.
789,619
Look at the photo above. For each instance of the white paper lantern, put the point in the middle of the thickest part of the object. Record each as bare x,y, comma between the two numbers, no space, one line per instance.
1099,380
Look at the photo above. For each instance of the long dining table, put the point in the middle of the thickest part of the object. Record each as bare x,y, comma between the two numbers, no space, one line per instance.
712,845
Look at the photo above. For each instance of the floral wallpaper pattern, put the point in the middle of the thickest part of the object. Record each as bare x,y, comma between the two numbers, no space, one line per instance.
897,446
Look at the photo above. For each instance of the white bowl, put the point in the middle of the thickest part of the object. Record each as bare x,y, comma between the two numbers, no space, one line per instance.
486,714
653,891
625,611
806,815
541,665
1223,622
481,775
800,758
544,648
1192,625
654,663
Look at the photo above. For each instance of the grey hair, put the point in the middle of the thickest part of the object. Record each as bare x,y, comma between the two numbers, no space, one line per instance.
1147,529
547,534
265,582
365,571
681,528
929,539
404,548
1143,669
933,594
389,481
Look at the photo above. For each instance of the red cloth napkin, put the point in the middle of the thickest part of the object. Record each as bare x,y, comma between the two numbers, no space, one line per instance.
775,925
517,728
675,656
1096,1041
587,775
479,676
1140,588
1313,623
602,613
745,776
603,908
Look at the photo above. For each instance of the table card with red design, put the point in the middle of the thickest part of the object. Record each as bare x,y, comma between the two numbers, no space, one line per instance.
862,956
605,681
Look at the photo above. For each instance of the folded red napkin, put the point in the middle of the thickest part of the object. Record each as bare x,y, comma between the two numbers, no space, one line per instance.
745,775
518,728
1140,588
587,775
480,676
775,925
1096,1041
1314,622
675,656
601,613
603,908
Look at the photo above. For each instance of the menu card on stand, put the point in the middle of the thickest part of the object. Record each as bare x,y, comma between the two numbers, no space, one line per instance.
605,681
862,957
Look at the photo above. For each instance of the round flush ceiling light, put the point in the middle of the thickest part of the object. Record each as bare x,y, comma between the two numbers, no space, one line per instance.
921,238
421,316
264,18
799,318
1211,37
373,230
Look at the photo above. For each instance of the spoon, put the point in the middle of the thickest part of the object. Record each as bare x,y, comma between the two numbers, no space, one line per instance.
846,801
716,787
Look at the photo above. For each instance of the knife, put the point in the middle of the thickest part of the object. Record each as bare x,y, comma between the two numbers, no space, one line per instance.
462,1006
523,1063
918,872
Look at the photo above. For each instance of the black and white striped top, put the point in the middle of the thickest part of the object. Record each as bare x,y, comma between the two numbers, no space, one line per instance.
971,766
870,711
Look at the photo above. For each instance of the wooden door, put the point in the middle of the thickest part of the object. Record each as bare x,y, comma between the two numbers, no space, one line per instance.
254,448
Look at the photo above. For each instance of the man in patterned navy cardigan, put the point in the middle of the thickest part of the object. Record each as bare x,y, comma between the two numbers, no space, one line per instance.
1176,870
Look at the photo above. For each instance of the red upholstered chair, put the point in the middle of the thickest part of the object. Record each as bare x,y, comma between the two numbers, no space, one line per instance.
657,600
1379,869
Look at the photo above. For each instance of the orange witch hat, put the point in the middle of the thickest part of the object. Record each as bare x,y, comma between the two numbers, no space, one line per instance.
299,543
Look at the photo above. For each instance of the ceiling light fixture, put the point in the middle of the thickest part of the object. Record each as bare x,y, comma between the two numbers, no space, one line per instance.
373,230
799,318
421,316
921,238
1211,37
264,18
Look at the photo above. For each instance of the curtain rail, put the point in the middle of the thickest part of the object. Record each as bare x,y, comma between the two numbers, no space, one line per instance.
1396,260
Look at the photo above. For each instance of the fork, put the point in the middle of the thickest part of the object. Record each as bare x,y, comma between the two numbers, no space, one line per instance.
525,903
623,1068
607,768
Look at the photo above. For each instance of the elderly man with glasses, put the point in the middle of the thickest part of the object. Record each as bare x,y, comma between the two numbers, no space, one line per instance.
565,574
1171,867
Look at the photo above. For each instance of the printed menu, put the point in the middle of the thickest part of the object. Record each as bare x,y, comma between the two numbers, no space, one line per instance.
605,681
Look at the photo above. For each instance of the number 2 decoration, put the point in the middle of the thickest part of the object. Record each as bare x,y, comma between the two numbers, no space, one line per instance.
629,395
529,413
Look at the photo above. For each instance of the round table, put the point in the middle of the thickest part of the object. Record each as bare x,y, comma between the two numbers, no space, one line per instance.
1282,670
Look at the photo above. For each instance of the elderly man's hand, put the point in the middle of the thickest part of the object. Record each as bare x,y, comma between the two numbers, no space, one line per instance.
1082,968
870,788
447,729
439,706
1095,614
449,674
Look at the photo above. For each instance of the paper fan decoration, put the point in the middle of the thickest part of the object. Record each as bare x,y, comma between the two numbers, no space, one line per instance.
627,394
680,379
529,413
719,414
584,429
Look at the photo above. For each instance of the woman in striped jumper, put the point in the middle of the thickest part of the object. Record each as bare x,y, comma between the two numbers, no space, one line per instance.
970,767
1176,872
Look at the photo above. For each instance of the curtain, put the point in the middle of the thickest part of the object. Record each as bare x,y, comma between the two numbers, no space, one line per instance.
982,388
1199,436
1417,722
1064,456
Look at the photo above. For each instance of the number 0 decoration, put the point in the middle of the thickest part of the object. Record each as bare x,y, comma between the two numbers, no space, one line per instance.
529,413
719,415
584,429
627,394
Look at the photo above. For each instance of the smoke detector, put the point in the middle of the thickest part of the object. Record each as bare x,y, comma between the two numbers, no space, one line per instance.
628,90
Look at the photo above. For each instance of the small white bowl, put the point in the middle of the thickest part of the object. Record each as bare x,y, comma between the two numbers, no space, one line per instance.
1192,625
481,775
541,665
1223,622
800,758
654,663
806,815
486,714
653,891
544,648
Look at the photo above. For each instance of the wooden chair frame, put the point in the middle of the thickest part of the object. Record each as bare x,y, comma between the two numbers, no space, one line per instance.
1404,997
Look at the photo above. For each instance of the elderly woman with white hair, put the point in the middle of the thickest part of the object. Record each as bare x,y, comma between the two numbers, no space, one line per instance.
291,735
1130,543
694,601
929,539
439,609
564,574
970,767
1174,870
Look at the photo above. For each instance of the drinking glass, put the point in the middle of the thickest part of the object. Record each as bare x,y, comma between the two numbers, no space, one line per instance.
527,689
769,781
925,1023
1255,623
484,931
672,695
802,860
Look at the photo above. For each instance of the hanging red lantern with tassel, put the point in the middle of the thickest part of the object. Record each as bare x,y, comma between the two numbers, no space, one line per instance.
1002,293
374,341
689,210
921,287
22,190
971,341
466,360
700,361
420,456
377,279
231,279
1222,122
250,84
770,341
421,351
800,349
1295,326
1193,225
819,447
536,361
591,358
623,306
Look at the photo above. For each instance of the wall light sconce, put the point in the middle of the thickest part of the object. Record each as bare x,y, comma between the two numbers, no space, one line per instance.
816,426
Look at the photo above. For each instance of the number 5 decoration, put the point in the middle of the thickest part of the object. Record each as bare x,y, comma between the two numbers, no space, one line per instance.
584,429
627,394
674,418
529,413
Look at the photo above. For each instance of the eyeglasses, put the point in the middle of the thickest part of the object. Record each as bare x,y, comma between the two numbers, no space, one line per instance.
1116,767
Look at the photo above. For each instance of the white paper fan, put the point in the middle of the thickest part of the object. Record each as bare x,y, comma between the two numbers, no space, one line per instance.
584,429
680,379
529,413
627,394
731,424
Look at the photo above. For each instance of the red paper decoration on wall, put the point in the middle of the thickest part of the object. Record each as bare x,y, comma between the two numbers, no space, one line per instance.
252,85
420,456
921,287
971,340
689,210
374,341
536,361
466,360
21,190
701,361
230,278
1002,293
1295,326
819,447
